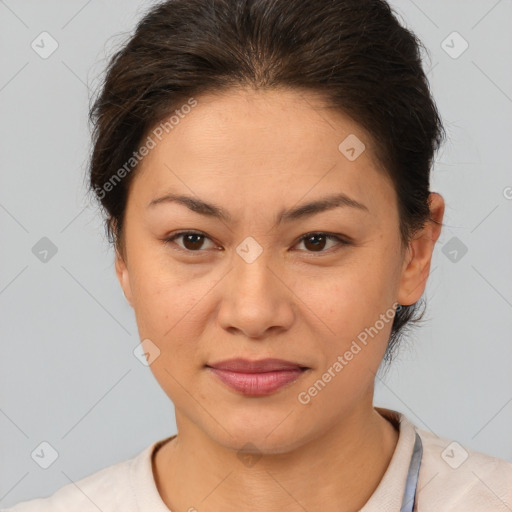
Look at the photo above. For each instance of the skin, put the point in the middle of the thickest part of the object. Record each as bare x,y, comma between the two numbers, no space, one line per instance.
254,153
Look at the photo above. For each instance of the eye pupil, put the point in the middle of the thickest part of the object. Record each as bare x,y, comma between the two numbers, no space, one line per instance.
195,245
316,246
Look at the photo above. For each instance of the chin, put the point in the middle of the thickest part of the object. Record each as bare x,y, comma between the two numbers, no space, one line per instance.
260,437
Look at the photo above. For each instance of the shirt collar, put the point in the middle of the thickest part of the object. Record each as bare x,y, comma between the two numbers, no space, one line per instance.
389,493
387,496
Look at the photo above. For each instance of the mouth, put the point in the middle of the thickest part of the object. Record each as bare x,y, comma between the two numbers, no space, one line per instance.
256,378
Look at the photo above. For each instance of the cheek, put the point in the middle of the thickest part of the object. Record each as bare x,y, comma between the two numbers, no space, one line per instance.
173,307
351,294
164,299
349,306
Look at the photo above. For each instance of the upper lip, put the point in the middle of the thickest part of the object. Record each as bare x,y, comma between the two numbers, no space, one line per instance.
255,366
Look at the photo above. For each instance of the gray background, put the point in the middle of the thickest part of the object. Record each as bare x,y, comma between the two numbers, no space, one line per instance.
68,375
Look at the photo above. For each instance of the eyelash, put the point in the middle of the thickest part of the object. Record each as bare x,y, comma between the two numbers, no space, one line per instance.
342,241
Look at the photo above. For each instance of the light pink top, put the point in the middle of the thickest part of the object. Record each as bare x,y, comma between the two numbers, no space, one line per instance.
452,478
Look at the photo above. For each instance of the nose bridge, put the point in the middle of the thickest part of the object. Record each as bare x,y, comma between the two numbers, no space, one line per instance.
254,300
252,261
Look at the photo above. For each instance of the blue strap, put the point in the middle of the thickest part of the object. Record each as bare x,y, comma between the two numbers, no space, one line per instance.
411,483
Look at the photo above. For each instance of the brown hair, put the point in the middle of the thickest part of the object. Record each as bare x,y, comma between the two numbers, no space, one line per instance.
355,53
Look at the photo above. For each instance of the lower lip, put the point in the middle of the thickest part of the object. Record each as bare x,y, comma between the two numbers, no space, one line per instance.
257,384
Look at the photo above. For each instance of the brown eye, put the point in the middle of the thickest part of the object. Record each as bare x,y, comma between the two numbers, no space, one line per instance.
192,241
316,242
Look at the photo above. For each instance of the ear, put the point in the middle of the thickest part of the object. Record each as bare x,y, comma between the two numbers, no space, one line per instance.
124,277
419,254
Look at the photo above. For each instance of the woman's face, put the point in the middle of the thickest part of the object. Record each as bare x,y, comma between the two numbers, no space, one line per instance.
249,287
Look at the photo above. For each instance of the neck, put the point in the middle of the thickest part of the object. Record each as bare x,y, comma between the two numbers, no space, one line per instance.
336,472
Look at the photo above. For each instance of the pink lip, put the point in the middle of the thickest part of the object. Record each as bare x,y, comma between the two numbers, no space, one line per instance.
256,378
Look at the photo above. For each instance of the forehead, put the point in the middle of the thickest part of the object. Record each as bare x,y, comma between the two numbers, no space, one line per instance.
281,124
253,143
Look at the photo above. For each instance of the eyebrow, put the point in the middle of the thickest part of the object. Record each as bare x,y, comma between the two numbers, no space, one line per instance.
288,215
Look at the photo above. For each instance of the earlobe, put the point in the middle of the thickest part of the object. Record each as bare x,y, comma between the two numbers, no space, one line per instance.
124,278
419,255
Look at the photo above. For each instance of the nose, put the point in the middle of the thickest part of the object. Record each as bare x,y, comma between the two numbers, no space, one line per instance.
256,298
